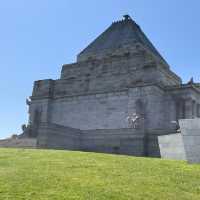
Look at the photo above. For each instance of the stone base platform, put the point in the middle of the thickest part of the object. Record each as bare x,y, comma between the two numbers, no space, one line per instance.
126,141
19,143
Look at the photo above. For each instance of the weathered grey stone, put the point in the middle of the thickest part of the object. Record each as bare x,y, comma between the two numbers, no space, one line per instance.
172,147
184,145
118,74
190,129
58,137
119,141
19,143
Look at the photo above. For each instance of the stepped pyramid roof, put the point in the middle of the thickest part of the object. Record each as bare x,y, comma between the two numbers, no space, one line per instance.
120,34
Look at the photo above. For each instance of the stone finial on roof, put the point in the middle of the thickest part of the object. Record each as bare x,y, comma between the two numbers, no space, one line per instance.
121,34
191,81
127,17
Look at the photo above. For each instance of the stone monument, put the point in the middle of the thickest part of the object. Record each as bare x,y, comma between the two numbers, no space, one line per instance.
118,74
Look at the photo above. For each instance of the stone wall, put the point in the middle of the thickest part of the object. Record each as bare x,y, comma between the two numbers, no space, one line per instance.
110,110
101,94
19,143
53,136
106,75
190,129
39,110
92,112
118,141
114,73
107,110
172,147
184,145
125,141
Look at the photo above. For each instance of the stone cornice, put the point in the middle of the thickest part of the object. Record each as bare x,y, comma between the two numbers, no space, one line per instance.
182,87
98,93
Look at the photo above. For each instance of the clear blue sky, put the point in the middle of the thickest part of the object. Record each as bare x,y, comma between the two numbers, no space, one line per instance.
37,37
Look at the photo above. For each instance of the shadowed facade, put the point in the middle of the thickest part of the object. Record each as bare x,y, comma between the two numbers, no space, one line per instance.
118,74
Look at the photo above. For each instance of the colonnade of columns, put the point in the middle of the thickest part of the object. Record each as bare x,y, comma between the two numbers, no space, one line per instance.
187,109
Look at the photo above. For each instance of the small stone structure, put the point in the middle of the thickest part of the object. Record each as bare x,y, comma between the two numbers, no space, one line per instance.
118,74
184,145
190,129
172,146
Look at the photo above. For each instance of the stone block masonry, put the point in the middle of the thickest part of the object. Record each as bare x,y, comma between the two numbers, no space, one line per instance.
190,129
118,75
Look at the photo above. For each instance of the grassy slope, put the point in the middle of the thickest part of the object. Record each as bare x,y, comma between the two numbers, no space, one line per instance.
57,175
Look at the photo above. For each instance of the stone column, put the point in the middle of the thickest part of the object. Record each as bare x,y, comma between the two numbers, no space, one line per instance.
194,109
189,107
198,110
180,109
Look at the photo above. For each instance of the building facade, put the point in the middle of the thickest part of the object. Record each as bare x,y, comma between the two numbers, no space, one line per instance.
118,76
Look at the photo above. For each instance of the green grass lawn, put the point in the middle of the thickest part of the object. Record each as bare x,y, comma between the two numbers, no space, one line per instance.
58,175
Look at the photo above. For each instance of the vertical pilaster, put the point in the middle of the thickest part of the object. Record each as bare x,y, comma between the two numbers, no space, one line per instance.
188,109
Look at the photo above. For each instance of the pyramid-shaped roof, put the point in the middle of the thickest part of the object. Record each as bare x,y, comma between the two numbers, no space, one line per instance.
119,34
